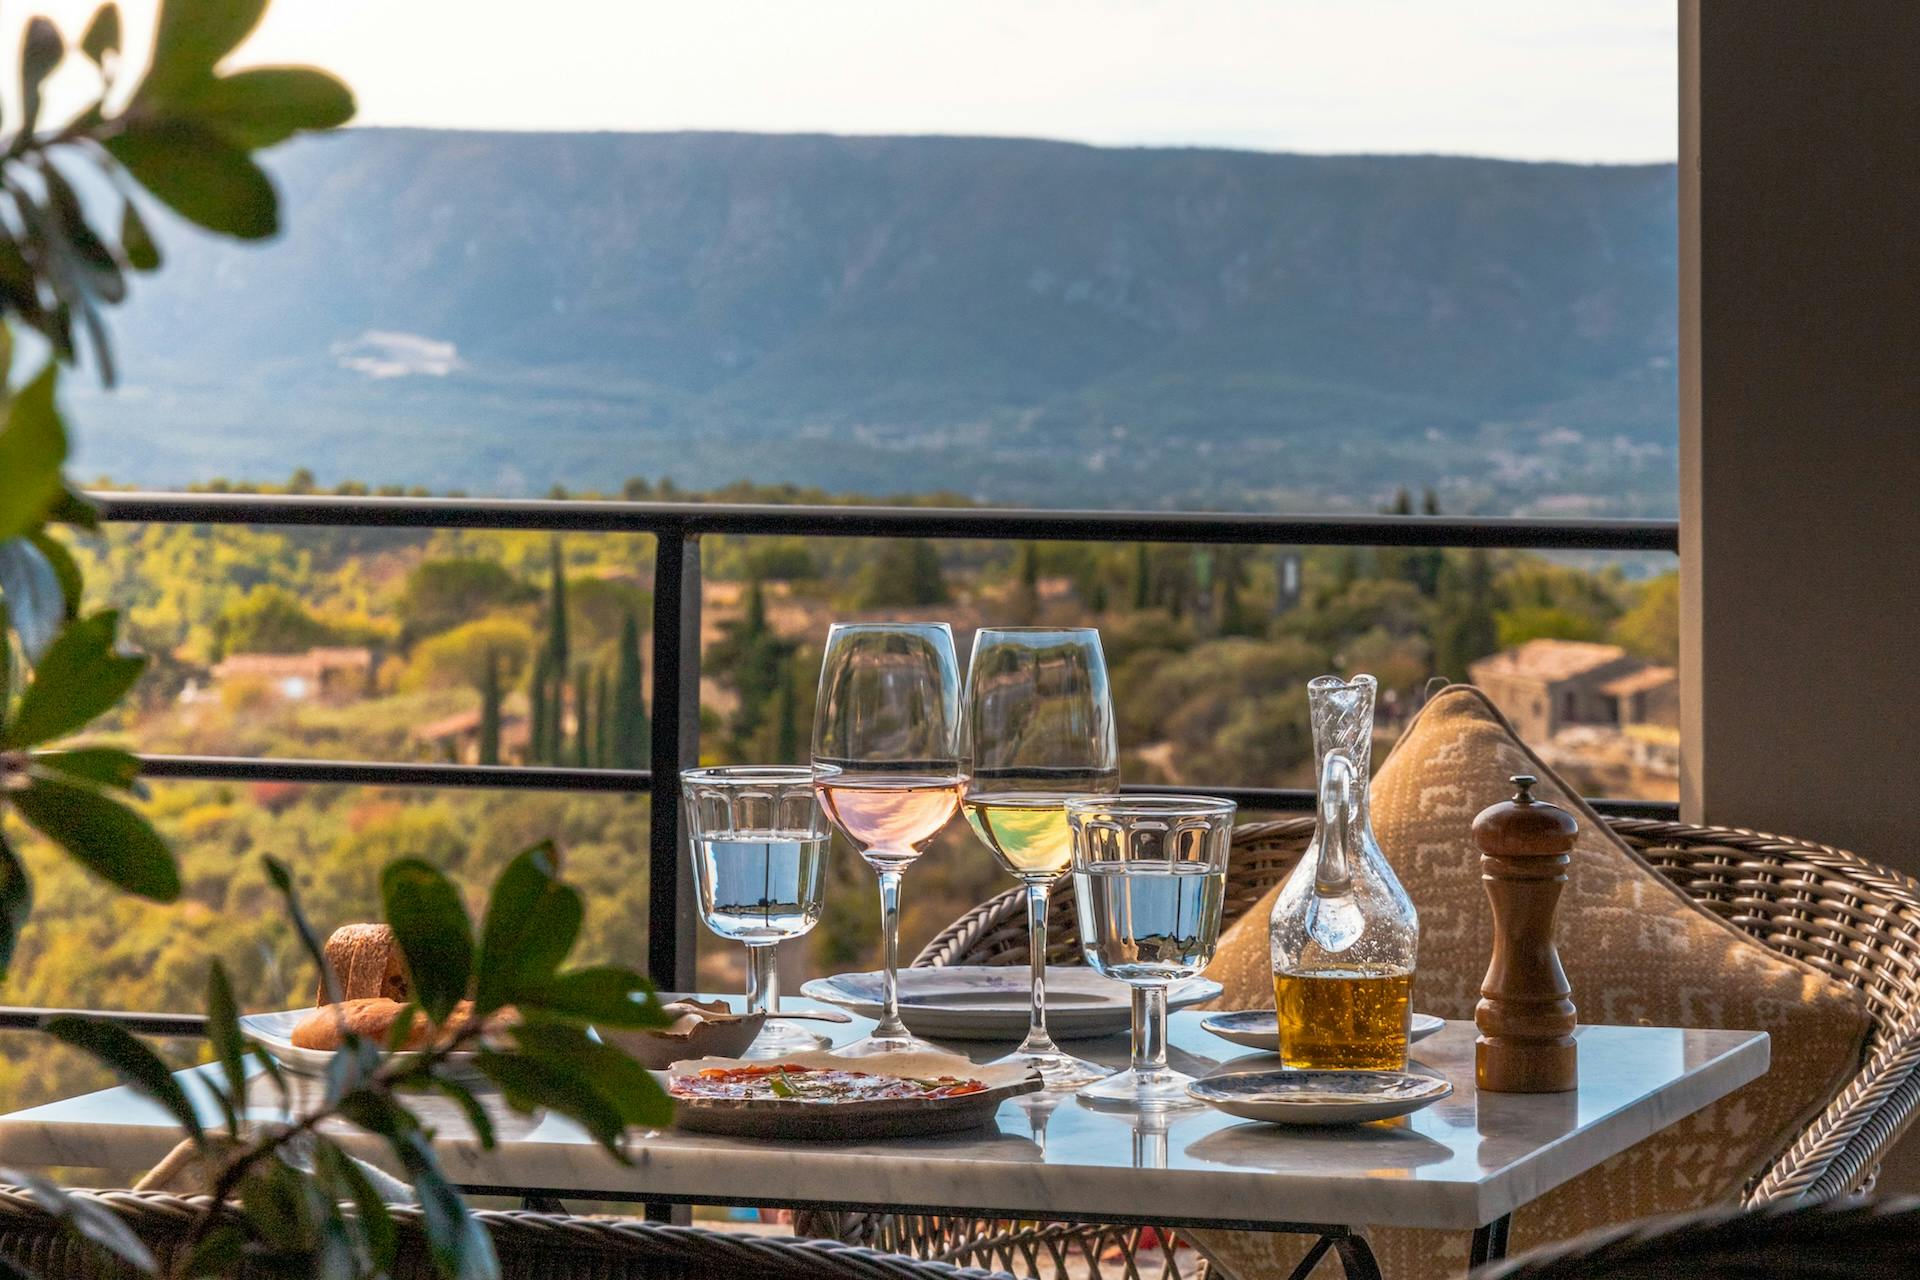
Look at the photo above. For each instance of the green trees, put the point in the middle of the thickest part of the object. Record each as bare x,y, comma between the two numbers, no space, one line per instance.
1651,627
490,711
461,658
905,573
440,594
270,619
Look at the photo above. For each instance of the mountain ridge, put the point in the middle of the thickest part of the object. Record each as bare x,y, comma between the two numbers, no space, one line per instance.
1020,319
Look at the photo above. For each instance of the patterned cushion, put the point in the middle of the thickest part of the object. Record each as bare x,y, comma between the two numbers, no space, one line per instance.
1636,949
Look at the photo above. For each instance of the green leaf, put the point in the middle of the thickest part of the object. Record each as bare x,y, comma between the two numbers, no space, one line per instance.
6,657
111,840
267,105
604,995
136,241
40,52
104,766
16,901
79,677
65,570
33,448
529,1084
460,1247
476,1114
193,35
223,1029
350,1183
199,175
270,1067
532,921
402,1028
102,36
71,508
88,1219
629,1087
92,262
36,603
132,1061
220,1253
283,881
436,938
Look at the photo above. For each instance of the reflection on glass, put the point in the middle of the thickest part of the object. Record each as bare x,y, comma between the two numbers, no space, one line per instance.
1039,729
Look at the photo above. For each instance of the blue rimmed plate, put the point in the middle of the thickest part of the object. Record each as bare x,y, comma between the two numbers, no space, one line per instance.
1321,1097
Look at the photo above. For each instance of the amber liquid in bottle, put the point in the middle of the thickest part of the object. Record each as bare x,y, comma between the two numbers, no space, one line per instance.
1344,1019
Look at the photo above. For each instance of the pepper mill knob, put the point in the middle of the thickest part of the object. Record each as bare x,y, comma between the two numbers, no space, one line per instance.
1525,1015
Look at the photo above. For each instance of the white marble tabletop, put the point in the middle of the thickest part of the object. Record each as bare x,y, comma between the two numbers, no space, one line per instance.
1462,1163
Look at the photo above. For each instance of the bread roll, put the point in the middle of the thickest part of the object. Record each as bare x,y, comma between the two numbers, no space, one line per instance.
366,961
373,1018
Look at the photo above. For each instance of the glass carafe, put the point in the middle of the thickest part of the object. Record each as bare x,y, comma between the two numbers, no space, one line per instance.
1344,933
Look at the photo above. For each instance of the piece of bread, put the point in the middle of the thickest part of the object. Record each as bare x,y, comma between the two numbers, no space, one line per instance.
372,1019
366,961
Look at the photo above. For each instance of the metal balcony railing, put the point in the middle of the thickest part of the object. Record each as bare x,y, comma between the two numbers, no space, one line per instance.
677,529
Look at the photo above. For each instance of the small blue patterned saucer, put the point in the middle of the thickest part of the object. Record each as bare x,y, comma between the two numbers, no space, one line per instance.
1320,1097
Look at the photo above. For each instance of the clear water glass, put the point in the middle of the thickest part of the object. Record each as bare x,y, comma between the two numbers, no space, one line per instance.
759,846
1039,729
887,767
1149,880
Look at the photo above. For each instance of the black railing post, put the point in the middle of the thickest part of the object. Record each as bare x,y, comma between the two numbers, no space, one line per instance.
676,743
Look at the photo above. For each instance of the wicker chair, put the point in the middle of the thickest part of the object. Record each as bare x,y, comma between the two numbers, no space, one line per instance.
1782,1241
1835,910
548,1246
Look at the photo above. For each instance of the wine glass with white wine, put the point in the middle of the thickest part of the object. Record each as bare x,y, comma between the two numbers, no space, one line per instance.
887,767
1039,729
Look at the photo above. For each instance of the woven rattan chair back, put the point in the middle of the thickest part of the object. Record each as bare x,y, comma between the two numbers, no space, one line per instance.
547,1246
1835,910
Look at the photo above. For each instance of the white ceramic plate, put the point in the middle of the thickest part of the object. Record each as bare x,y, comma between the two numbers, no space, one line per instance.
273,1032
853,1121
1321,1097
989,1002
1260,1028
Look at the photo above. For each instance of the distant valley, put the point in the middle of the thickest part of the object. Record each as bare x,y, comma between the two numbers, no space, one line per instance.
1017,321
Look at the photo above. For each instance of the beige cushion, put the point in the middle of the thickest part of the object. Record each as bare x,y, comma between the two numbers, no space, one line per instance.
1636,949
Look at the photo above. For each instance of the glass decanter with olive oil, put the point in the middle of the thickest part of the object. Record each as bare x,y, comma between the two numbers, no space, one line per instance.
1344,934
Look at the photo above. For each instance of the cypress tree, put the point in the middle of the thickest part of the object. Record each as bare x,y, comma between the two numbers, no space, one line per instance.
537,711
632,741
490,710
557,613
602,719
1027,598
582,716
1142,578
786,743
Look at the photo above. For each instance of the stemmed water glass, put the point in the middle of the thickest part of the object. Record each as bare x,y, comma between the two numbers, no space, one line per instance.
1149,877
887,767
1038,726
759,865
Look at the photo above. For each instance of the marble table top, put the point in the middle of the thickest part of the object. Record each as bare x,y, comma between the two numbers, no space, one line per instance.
1461,1163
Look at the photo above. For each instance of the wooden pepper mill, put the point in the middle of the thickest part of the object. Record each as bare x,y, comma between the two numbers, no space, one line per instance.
1525,1014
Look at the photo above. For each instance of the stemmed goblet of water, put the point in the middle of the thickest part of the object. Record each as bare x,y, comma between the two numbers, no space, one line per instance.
1149,878
759,865
1038,725
887,767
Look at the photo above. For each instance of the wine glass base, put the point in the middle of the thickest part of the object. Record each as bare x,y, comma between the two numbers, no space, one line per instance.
779,1037
875,1045
1060,1070
1148,1090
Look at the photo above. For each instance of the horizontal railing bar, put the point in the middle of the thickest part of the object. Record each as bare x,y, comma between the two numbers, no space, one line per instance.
396,774
21,1018
1296,800
987,523
631,781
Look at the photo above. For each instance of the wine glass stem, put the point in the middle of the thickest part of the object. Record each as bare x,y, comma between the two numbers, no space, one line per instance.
1150,1029
1037,1041
763,981
890,1024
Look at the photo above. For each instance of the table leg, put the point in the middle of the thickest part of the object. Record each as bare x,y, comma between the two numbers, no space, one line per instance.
1490,1242
1356,1255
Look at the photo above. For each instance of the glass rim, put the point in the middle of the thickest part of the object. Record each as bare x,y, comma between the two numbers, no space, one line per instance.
903,628
1152,806
1038,631
714,775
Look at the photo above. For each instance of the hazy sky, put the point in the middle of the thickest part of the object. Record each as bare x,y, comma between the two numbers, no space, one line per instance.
1526,79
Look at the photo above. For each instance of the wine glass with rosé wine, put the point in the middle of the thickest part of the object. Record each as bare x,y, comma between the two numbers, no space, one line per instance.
888,768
